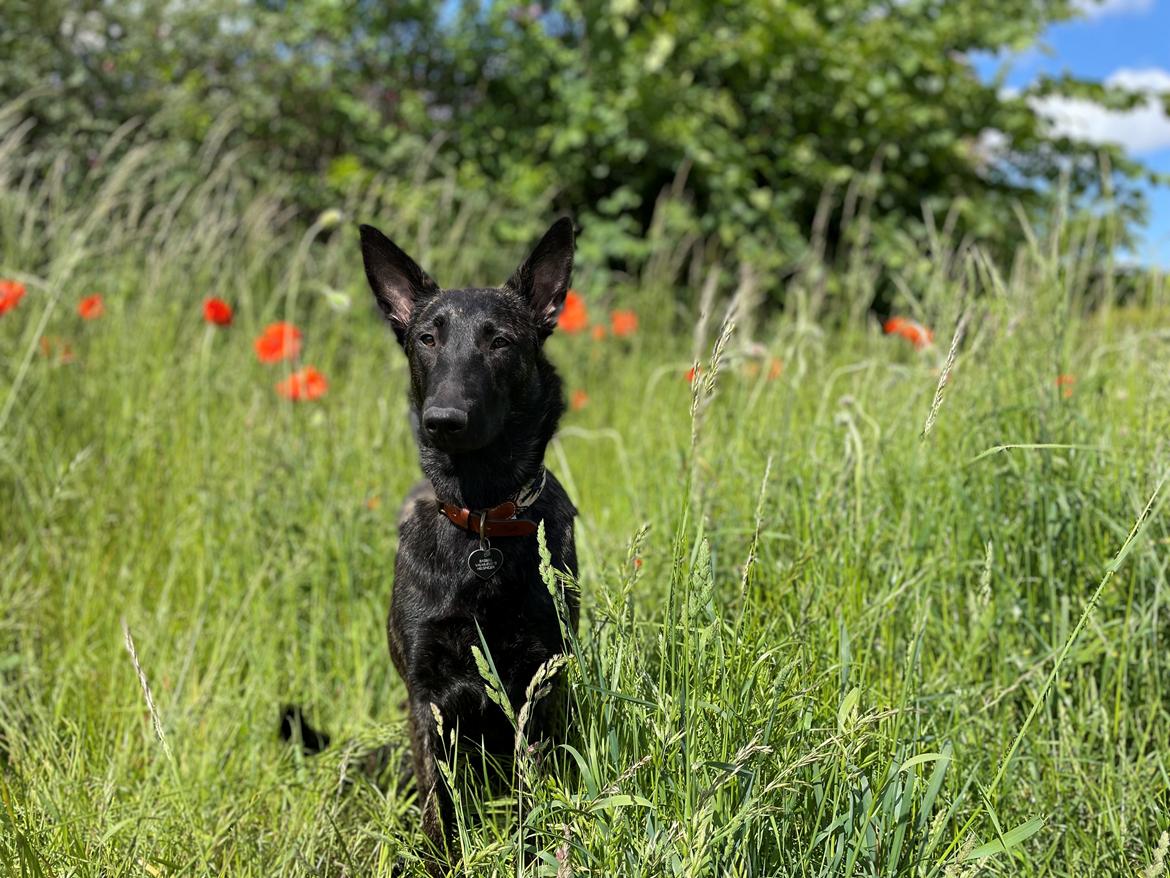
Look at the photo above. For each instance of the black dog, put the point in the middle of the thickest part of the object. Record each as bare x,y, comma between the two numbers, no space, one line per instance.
485,402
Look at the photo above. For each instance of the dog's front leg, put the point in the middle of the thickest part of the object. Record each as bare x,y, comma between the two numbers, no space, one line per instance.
438,817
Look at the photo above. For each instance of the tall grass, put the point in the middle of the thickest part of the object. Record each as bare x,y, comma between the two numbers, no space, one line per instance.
816,640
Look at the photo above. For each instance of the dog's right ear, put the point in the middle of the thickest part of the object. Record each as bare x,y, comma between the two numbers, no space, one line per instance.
397,281
543,278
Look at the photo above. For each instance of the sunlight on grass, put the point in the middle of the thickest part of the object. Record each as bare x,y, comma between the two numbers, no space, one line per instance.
818,637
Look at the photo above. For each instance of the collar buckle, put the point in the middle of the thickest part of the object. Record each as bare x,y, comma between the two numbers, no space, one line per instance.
484,542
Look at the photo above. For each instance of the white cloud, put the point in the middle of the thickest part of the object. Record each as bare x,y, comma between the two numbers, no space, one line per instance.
1144,129
1102,8
1153,79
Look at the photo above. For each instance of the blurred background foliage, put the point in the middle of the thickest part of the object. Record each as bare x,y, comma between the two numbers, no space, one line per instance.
758,134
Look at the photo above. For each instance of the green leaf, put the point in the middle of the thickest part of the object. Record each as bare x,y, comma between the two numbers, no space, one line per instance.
1010,839
847,712
619,801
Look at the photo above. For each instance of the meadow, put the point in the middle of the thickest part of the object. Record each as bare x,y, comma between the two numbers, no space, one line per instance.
851,605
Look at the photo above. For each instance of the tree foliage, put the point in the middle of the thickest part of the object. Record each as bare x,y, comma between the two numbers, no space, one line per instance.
776,124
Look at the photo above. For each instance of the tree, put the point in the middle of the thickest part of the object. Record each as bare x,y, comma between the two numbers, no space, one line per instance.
772,105
761,116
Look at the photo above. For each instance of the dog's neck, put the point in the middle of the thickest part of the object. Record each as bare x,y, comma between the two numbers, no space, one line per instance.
487,477
507,465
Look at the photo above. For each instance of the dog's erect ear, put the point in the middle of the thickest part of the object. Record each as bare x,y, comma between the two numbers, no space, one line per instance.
543,279
397,281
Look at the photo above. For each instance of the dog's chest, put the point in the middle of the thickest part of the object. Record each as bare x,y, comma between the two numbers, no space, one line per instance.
518,635
441,610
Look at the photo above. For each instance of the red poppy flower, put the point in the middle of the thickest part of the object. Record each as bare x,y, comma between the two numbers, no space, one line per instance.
911,330
578,400
304,384
1066,383
692,372
91,307
623,323
598,332
11,292
56,348
775,368
217,311
279,341
574,316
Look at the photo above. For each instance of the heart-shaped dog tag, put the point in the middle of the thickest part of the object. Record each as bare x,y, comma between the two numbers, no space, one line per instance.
485,562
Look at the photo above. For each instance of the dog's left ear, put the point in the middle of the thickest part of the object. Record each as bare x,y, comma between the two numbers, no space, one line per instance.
397,281
543,278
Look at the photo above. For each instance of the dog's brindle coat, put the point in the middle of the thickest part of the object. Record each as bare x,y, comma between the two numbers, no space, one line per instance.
485,401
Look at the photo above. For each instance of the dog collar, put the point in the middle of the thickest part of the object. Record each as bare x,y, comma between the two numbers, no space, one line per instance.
502,520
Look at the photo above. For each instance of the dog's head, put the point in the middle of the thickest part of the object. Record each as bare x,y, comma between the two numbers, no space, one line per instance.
474,354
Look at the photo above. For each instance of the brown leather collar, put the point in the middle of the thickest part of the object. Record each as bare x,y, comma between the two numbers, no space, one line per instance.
499,521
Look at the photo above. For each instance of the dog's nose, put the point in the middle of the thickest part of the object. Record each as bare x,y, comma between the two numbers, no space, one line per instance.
444,421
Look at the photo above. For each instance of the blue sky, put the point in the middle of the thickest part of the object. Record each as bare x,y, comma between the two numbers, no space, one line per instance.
1121,41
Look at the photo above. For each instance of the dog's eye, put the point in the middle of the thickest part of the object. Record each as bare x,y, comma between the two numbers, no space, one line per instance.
500,342
427,339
